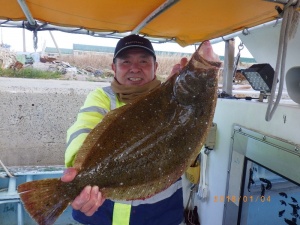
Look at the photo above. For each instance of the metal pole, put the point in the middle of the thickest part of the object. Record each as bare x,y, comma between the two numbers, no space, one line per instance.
55,43
1,43
20,214
24,41
26,11
12,185
228,66
153,15
282,1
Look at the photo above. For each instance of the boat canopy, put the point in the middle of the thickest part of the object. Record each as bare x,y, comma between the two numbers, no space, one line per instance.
183,21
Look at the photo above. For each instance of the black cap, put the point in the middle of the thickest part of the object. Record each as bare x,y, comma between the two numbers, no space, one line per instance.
134,41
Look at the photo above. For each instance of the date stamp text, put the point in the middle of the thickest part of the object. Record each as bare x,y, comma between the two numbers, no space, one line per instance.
233,198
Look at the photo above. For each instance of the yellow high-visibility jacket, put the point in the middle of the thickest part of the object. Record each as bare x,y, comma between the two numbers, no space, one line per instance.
97,104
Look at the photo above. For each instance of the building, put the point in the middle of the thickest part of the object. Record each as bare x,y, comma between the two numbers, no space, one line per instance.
80,49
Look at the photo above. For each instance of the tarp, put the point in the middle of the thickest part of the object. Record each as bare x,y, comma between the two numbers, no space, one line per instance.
186,21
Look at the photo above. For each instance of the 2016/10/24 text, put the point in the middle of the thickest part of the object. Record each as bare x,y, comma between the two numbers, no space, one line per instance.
234,198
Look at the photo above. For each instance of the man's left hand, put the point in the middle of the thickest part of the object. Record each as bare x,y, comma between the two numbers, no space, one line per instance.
178,67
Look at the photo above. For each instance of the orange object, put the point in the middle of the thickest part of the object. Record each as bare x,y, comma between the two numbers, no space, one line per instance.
193,173
186,22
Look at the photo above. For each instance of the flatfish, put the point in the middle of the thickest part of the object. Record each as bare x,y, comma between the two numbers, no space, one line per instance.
140,149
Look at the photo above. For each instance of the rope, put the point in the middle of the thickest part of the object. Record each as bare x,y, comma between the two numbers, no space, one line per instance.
237,59
191,217
5,169
203,184
289,13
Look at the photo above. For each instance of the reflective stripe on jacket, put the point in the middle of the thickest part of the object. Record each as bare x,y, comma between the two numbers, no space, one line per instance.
168,203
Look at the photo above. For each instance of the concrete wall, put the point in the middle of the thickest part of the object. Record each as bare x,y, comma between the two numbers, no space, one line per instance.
34,118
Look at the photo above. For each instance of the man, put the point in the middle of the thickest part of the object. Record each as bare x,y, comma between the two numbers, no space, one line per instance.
134,65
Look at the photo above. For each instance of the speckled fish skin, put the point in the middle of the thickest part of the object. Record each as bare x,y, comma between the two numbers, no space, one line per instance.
139,149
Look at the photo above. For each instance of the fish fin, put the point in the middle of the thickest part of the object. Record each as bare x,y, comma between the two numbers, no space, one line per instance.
43,200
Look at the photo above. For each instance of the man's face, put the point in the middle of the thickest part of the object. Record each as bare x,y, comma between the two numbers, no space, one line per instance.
134,66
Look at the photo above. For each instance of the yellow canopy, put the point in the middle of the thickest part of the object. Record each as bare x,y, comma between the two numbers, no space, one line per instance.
185,21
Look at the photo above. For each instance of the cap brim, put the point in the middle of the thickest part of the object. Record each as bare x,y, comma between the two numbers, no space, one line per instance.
135,46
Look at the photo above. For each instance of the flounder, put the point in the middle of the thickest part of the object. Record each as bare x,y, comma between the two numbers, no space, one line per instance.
140,149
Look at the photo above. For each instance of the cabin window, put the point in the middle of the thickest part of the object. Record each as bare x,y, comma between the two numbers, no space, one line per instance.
268,198
263,180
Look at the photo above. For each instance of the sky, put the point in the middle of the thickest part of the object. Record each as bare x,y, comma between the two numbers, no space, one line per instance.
14,38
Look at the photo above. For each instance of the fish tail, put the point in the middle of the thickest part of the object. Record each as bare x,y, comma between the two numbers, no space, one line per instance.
43,199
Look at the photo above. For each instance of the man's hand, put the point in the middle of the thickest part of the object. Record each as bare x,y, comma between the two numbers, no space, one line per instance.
89,200
178,67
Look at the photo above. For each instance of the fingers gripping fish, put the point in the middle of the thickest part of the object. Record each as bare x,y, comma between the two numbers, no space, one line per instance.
140,149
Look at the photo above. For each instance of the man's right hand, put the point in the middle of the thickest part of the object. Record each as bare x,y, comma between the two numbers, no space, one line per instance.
90,198
178,67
